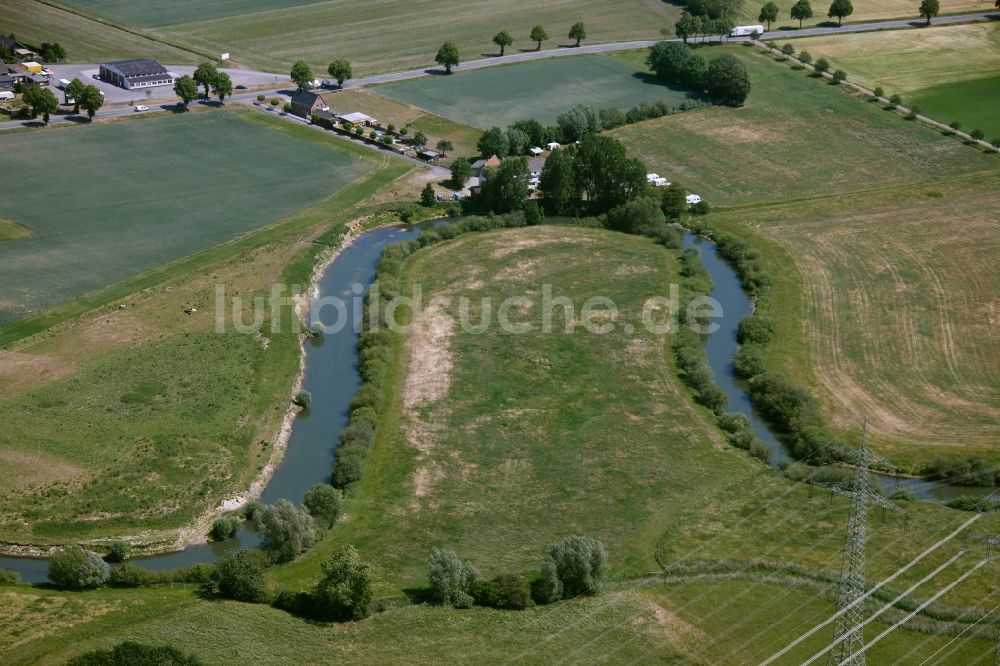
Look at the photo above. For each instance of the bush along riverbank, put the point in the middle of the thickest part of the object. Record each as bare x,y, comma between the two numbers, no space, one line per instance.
790,408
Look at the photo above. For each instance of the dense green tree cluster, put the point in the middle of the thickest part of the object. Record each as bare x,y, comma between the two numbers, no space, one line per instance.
593,177
136,654
725,79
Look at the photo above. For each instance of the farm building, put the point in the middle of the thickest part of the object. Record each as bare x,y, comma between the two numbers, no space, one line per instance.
358,118
305,103
480,165
131,74
429,155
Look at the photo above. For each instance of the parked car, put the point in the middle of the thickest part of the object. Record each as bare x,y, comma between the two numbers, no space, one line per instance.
141,107
241,87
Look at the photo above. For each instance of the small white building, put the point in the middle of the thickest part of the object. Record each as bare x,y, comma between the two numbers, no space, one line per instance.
692,199
554,145
536,151
358,118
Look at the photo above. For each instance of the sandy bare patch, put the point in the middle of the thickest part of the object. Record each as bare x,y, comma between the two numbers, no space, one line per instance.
19,370
22,469
429,347
520,271
634,269
674,628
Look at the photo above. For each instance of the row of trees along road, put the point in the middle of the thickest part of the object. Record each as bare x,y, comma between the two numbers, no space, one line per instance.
214,82
43,101
448,56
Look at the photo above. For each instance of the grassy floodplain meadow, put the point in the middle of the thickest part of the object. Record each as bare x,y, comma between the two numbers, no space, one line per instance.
951,72
891,229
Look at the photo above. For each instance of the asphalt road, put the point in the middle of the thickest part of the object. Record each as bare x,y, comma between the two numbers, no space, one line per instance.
518,57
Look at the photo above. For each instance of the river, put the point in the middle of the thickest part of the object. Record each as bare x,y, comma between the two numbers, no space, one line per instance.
331,376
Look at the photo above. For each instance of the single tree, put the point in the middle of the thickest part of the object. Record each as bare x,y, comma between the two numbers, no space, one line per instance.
74,91
461,171
604,175
240,575
977,134
805,57
59,52
788,50
822,66
445,146
955,125
447,56
73,568
205,76
119,551
579,121
42,102
801,11
345,591
686,27
427,196
557,183
538,35
186,89
929,9
728,81
286,530
840,9
91,100
769,13
673,201
302,74
667,60
694,73
340,70
580,563
448,576
503,40
323,503
839,76
578,32
505,189
222,86
419,139
493,141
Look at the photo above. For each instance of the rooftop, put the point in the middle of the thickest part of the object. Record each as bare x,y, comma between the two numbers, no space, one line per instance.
137,68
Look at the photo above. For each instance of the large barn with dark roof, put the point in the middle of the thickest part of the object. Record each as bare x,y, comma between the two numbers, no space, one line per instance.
130,74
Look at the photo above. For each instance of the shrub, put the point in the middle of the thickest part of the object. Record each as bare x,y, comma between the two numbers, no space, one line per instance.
879,91
977,134
251,509
8,577
701,208
755,329
839,76
224,528
788,49
972,503
749,361
955,125
734,422
581,563
805,57
345,591
261,98
895,100
286,530
822,65
448,576
549,588
241,575
120,551
130,575
902,495
641,215
533,214
714,398
969,471
323,503
914,112
506,591
348,468
136,654
303,398
287,108
73,568
358,131
275,101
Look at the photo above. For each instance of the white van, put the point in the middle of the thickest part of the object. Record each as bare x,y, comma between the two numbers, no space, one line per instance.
61,85
746,30
141,107
6,94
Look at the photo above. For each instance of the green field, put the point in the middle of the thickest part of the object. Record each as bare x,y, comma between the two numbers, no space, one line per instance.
864,10
85,40
951,72
891,232
541,90
155,190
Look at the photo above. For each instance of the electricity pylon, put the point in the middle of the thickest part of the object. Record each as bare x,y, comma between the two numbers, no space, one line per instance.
848,632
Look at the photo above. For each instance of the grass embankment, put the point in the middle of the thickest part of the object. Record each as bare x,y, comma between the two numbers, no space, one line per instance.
137,420
891,239
951,72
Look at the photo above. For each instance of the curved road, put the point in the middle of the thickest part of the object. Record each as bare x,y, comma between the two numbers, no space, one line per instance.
252,77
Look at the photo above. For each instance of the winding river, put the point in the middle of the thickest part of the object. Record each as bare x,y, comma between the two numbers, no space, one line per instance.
332,378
